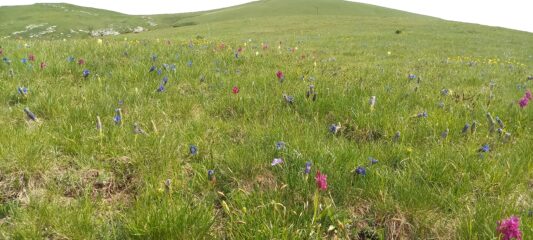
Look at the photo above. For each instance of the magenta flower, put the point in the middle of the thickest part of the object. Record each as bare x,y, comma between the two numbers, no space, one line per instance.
509,228
523,102
280,75
321,181
43,65
528,95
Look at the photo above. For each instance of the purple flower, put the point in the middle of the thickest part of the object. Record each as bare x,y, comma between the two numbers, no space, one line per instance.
159,71
276,161
373,160
118,116
24,60
523,102
165,80
361,171
485,148
193,150
307,169
465,128
509,228
86,73
22,91
161,88
30,115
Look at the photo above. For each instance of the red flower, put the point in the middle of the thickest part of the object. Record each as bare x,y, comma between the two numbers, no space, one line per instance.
235,90
280,75
81,61
43,65
321,181
31,57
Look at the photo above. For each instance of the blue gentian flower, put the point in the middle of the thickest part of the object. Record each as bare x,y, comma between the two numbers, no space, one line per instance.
24,60
22,90
86,73
161,88
411,76
30,115
465,128
422,114
361,171
484,148
165,80
307,169
210,175
334,128
152,68
193,150
118,116
373,160
280,145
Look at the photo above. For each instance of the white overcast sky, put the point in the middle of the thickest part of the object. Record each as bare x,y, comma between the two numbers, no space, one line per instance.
515,14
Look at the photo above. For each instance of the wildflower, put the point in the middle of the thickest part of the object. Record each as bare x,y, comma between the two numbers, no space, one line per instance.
491,122
307,169
373,160
422,115
523,102
43,65
396,136
86,73
528,95
235,90
334,128
465,128
24,60
280,145
211,175
161,88
411,76
321,181
165,80
152,68
31,57
288,99
70,59
81,61
118,116
22,91
509,228
193,150
280,75
445,92
444,134
485,148
30,115
372,102
361,171
99,41
159,71
500,122
276,161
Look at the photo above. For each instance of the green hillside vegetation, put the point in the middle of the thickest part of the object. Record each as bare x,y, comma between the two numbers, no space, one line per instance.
202,127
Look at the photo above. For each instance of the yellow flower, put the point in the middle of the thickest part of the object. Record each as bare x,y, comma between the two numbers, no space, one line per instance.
100,41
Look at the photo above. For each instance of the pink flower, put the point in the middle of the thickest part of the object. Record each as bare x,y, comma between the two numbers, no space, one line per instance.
528,95
43,65
509,228
321,181
523,102
31,57
235,90
81,61
280,75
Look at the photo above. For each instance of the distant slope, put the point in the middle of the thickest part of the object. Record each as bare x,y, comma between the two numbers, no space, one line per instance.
49,20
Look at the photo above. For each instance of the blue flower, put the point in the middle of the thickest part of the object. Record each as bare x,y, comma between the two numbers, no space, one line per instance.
22,90
210,175
307,169
334,128
411,76
193,150
24,60
70,59
280,145
373,160
422,114
445,133
159,71
152,68
465,128
361,171
165,80
118,116
161,88
484,148
86,73
30,115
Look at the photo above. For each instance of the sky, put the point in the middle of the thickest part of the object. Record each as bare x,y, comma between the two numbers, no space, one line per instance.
514,14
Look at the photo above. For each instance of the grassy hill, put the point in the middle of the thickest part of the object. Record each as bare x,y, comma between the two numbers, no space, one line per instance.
177,133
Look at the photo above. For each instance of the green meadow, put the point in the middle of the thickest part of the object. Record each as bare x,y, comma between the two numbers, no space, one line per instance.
122,153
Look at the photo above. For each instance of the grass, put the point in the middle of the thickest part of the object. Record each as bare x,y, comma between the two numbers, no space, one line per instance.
61,178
